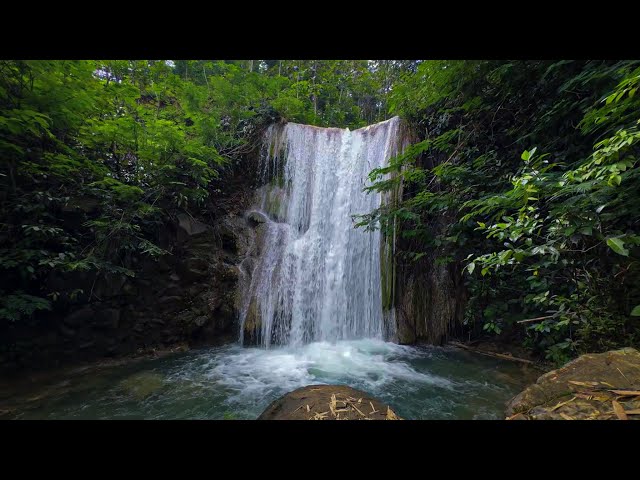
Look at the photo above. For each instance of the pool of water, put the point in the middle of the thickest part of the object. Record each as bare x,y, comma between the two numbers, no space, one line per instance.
234,382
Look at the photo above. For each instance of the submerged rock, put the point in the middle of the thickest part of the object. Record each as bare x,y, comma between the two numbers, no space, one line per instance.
603,386
142,385
328,402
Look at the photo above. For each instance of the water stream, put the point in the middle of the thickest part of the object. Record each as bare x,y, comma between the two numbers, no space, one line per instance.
235,382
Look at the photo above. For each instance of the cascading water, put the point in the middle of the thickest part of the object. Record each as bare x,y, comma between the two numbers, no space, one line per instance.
317,278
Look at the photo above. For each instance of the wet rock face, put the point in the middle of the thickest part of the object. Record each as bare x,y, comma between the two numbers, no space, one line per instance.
186,297
430,297
328,402
189,226
255,218
274,195
603,386
252,323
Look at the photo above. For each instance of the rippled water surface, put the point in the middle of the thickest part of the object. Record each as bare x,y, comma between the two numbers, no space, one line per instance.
234,382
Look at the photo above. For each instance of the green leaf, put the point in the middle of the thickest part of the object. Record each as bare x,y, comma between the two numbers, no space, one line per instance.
615,179
636,311
617,245
471,267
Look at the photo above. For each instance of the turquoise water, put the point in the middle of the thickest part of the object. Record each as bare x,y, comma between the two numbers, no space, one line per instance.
232,382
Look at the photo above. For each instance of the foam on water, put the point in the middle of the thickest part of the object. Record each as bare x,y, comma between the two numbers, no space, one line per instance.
251,373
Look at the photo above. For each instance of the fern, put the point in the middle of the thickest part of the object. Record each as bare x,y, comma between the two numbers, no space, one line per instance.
17,305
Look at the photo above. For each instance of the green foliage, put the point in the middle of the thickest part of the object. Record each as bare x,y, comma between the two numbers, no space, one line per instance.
97,155
550,237
18,304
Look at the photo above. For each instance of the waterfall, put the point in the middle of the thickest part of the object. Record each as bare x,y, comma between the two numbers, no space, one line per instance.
315,277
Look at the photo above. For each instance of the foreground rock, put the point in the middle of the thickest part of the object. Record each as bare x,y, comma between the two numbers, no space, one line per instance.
604,386
328,402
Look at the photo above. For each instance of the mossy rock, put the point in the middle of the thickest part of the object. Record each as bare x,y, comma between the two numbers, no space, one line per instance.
252,323
593,386
273,202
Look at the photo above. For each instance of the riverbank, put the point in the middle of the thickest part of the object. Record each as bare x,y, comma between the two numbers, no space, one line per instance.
504,350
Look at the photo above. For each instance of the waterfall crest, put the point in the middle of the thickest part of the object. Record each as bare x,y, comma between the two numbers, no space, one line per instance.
316,277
